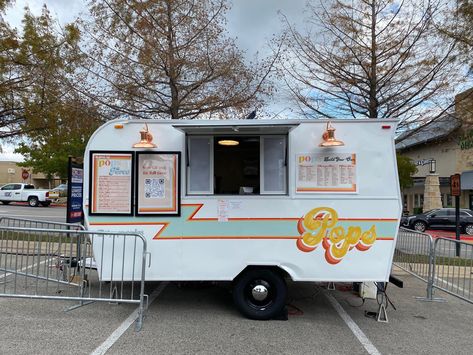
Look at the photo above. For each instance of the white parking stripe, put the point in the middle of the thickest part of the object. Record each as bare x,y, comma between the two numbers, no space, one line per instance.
25,268
112,339
362,338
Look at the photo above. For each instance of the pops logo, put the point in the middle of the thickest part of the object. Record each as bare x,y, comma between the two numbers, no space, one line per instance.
104,162
305,159
319,226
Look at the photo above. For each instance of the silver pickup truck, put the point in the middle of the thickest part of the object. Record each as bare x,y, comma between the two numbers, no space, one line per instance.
26,193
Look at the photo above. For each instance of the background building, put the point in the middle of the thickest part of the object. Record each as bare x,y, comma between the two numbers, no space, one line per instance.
449,141
11,172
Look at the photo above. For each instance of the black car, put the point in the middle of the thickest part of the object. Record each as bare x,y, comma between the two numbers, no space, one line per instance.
441,218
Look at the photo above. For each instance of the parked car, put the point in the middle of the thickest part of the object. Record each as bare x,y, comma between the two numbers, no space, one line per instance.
441,218
61,189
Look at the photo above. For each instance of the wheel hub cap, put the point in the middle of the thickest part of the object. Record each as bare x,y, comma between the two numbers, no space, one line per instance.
259,292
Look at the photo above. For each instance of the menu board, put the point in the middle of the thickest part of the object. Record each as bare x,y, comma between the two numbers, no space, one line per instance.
112,186
326,172
157,183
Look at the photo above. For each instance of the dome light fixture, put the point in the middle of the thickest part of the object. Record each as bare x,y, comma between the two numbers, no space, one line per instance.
229,142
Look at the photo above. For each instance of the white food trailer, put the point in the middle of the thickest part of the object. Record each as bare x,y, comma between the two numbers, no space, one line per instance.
249,201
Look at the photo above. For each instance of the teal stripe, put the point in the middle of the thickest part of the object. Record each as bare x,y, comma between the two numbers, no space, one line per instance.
179,226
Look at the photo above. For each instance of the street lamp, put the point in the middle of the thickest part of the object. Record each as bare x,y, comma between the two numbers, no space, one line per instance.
433,166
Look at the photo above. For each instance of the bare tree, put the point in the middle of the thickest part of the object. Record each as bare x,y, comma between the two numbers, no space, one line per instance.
170,59
372,59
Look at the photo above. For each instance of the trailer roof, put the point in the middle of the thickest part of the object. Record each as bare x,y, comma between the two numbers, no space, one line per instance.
242,122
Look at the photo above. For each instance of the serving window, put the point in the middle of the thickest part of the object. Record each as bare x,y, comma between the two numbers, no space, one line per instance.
236,165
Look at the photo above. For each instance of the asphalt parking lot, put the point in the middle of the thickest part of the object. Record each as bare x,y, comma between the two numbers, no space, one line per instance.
22,210
200,318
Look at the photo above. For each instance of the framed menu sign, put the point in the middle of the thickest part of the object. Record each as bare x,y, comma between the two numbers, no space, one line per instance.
330,172
111,188
158,183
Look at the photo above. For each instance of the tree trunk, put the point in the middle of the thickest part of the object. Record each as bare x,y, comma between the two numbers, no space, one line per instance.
373,102
174,104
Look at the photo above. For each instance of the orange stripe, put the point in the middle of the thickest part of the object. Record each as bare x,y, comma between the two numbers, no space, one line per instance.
229,237
125,223
243,237
143,209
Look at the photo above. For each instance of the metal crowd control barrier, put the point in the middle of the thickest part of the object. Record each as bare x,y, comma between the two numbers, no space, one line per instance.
452,274
73,265
414,253
34,223
435,262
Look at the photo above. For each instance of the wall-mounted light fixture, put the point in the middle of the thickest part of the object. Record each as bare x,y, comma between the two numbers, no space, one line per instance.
146,140
329,138
433,166
228,142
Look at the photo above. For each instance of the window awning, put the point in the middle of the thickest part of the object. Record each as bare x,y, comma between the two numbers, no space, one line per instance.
220,128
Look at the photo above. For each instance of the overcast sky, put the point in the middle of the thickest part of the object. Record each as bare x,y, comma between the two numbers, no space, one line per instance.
252,22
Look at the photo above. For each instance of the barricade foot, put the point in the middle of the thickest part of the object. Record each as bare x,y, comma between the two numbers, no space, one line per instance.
331,286
433,299
139,321
382,316
80,304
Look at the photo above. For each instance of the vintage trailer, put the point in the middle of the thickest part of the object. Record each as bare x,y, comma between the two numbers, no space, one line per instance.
248,201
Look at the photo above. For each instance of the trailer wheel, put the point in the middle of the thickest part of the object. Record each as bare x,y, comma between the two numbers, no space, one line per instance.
33,201
6,202
260,293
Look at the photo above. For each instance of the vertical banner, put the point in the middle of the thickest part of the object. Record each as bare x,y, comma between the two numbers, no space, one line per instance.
75,189
158,183
328,172
111,188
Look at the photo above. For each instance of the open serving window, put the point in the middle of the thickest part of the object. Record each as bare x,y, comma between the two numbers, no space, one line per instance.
246,164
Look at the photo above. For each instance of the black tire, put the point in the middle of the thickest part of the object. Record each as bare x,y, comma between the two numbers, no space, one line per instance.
6,202
33,201
469,229
252,281
419,226
45,204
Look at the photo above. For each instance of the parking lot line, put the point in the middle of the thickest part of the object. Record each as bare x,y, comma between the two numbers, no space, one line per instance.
117,333
357,332
25,268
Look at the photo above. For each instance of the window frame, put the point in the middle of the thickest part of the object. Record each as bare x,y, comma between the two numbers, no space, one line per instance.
211,137
210,192
263,191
